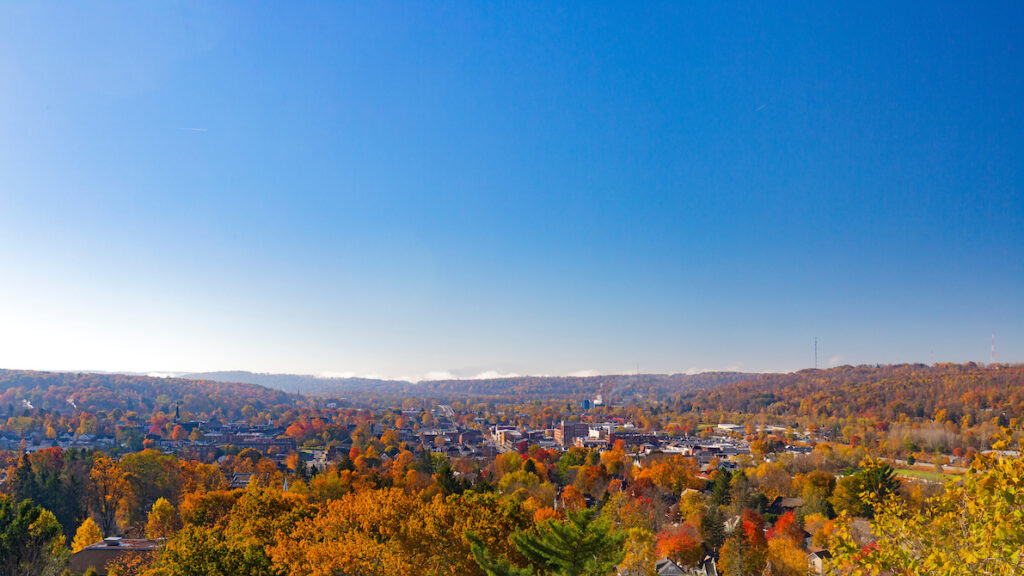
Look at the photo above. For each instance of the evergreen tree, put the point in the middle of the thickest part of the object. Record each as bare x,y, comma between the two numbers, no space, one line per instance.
858,493
577,546
424,462
446,479
712,528
530,466
720,495
489,564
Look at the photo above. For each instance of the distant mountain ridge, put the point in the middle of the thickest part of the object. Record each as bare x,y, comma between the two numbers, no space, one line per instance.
298,383
92,391
520,386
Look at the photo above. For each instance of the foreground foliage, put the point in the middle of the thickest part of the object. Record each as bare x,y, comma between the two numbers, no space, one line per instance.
976,527
31,540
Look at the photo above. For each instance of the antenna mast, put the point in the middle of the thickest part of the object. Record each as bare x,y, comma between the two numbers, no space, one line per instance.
815,352
992,357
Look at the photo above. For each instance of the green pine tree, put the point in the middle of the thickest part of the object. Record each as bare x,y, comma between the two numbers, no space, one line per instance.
577,546
489,564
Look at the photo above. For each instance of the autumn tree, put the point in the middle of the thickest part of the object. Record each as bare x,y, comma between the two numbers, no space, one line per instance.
786,556
201,478
975,527
199,551
572,499
31,540
86,535
209,509
163,520
178,433
681,544
815,488
872,483
151,476
641,554
390,531
109,492
745,552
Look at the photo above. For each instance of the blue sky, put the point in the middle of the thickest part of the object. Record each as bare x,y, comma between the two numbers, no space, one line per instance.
404,189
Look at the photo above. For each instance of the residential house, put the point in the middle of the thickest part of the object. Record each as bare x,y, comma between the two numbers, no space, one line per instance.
817,558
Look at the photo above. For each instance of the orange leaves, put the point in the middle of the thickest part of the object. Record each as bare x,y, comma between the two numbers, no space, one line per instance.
681,544
544,513
753,528
675,473
787,527
573,499
178,433
296,431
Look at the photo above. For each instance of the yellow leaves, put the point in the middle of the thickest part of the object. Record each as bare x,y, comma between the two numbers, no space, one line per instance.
390,531
786,558
973,528
773,479
198,477
163,520
641,554
86,535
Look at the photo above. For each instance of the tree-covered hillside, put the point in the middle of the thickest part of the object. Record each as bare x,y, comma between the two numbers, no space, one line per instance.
65,391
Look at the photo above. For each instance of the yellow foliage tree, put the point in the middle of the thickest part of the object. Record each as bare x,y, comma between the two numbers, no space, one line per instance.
86,535
786,558
975,527
163,520
390,531
641,554
109,493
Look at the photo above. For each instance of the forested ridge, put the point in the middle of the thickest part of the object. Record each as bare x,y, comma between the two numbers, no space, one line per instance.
66,391
888,393
534,387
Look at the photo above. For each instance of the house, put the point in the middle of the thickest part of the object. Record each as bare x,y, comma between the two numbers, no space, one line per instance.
781,505
666,567
101,556
707,567
817,558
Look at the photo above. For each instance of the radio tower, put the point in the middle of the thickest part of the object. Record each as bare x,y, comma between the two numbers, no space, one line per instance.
815,352
992,356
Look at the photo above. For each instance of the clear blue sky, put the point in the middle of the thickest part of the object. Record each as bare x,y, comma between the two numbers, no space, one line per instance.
406,188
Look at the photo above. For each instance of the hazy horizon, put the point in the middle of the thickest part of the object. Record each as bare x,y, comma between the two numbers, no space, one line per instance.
447,375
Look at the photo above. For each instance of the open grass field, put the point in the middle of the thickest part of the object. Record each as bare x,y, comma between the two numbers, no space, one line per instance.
930,475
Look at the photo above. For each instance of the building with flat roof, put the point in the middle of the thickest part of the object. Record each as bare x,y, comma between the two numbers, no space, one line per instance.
102,555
